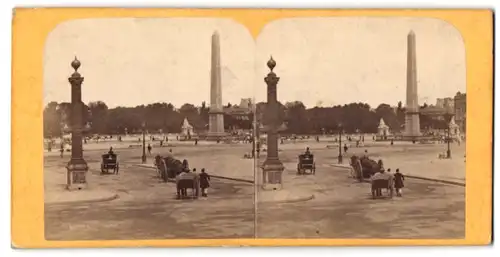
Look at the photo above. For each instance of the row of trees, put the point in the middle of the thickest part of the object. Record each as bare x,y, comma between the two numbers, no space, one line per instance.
164,116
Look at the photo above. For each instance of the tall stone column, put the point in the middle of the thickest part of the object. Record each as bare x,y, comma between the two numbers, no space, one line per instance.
216,114
412,118
272,168
77,167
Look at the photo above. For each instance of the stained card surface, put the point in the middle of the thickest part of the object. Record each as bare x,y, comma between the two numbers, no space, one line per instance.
294,127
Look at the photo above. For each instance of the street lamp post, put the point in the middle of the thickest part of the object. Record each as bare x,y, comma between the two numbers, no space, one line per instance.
272,167
143,142
340,143
77,167
448,117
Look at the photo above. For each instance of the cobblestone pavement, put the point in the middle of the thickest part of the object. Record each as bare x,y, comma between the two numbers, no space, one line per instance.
342,208
228,212
147,208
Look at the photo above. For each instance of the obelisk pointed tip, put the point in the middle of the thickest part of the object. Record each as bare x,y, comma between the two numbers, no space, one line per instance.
216,33
411,33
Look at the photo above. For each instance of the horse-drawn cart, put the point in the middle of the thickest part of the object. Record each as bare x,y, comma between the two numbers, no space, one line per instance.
306,162
109,162
383,183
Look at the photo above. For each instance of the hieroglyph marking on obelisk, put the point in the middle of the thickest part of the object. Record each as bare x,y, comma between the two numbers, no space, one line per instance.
412,119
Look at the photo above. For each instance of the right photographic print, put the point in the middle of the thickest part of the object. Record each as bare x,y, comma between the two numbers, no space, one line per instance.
360,129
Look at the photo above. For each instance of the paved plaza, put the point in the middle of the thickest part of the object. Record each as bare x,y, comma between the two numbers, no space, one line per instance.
136,203
341,208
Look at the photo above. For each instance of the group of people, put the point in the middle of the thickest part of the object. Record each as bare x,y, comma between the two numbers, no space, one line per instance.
398,179
204,179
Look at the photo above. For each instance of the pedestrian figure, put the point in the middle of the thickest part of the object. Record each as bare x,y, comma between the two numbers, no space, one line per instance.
196,142
149,149
380,164
391,178
345,148
62,150
204,182
398,182
161,143
392,141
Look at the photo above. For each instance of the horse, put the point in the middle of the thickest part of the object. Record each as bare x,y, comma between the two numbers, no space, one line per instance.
357,168
168,167
369,167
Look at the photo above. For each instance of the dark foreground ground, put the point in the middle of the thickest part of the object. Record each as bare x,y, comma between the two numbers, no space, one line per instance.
342,208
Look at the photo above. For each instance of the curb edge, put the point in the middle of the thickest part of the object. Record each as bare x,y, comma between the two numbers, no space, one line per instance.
213,176
302,199
448,182
99,200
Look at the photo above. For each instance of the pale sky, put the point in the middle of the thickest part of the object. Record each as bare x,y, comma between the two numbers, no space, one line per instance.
128,62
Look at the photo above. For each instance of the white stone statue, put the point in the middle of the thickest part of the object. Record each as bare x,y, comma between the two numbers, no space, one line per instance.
187,129
383,129
454,130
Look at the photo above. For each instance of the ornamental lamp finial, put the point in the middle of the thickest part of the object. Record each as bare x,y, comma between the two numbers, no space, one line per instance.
75,64
271,63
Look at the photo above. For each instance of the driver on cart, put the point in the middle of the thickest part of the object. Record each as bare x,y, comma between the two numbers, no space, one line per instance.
307,153
110,152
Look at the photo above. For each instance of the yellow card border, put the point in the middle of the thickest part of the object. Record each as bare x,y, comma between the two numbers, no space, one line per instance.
32,26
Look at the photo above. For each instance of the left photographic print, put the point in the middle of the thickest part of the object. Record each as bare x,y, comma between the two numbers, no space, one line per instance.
148,128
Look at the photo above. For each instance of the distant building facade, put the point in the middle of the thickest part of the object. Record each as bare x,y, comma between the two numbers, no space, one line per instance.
460,107
437,112
239,116
446,103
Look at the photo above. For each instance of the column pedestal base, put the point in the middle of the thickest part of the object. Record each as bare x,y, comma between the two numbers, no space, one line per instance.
216,136
76,174
272,171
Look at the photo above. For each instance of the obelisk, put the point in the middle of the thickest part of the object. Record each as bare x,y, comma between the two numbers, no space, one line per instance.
216,114
412,119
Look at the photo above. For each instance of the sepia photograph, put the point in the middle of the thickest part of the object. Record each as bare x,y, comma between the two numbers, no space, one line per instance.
163,130
366,135
191,128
